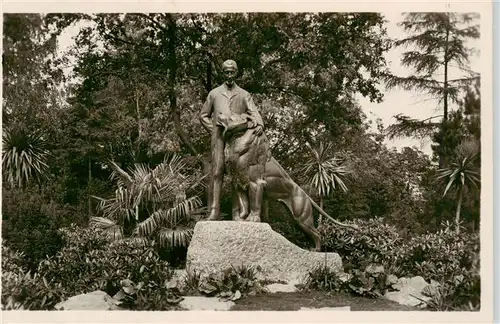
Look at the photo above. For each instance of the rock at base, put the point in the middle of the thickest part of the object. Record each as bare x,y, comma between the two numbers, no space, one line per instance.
408,290
97,300
278,287
218,245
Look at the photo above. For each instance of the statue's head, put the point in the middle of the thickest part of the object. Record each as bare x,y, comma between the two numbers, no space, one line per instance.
229,68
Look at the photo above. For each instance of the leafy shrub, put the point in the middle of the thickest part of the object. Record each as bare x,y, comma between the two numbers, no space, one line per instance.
438,255
368,283
451,259
373,243
23,290
323,279
443,256
30,224
191,282
12,261
89,262
449,295
147,296
231,283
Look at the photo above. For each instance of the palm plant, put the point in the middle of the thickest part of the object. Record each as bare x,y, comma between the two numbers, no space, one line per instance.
327,173
155,201
462,174
24,157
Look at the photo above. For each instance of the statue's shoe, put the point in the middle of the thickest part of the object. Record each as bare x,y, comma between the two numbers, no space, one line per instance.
214,216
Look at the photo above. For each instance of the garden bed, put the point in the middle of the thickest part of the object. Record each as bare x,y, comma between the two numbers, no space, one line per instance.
314,299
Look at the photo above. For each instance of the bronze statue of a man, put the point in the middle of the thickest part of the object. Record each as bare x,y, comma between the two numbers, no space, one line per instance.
221,102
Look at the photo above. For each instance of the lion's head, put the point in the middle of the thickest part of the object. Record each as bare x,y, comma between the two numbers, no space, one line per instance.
234,123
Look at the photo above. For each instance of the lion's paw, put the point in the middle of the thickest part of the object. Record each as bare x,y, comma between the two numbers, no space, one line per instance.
253,218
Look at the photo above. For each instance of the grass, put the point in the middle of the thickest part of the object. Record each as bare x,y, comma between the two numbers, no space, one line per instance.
314,299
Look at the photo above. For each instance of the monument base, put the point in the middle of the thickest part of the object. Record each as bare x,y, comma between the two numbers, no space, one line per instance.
218,245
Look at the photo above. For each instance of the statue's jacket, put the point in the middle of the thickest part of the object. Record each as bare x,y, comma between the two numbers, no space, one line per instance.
222,102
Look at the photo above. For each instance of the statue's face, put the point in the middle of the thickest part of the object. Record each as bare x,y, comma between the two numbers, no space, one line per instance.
229,75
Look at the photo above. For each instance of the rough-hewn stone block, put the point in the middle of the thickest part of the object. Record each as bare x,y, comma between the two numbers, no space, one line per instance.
217,245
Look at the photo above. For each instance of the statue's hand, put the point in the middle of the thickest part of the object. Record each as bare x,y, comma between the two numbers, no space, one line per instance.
251,123
258,130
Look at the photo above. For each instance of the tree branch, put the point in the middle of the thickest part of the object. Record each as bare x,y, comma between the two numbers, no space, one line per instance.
410,127
156,23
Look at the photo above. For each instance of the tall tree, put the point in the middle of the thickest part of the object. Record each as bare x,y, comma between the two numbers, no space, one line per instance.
436,43
32,75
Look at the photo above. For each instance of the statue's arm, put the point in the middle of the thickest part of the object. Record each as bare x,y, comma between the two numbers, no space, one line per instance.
253,111
206,113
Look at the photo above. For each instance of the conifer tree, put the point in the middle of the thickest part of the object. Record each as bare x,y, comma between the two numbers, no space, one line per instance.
436,43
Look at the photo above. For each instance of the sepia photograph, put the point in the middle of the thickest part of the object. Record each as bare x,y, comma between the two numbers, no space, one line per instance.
243,161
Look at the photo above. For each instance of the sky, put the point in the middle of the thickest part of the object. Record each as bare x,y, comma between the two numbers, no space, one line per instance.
406,102
395,101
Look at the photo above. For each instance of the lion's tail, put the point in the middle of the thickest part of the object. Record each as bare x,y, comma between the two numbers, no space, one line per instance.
322,212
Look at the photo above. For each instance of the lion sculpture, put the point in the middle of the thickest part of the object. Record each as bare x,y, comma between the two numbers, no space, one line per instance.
257,177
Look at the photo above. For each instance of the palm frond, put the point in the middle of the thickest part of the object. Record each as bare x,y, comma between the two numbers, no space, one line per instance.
164,182
462,172
170,217
121,175
118,208
24,157
148,226
327,168
168,237
451,182
161,189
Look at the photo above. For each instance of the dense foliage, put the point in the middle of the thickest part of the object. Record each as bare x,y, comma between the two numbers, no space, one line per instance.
30,223
377,251
375,242
89,261
89,135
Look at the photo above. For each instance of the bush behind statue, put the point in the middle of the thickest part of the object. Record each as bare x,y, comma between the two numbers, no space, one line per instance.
374,243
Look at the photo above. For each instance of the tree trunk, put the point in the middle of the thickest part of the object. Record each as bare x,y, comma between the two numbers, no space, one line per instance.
139,129
89,201
209,75
445,95
320,218
172,72
459,205
445,85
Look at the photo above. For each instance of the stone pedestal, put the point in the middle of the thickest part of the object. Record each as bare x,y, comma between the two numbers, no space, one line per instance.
216,245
